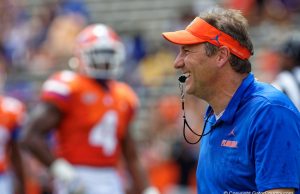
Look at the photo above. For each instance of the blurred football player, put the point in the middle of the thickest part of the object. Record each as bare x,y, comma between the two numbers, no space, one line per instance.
91,113
288,79
11,168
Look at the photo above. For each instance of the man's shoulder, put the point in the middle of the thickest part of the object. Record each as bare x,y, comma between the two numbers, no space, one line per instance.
64,82
263,95
126,92
262,101
65,76
122,87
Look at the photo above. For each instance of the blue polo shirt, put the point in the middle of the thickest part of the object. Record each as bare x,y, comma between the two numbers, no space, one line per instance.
254,146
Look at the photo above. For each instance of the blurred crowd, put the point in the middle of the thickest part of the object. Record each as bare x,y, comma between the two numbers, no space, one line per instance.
34,45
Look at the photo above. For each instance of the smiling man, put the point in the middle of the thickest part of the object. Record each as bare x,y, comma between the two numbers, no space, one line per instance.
253,130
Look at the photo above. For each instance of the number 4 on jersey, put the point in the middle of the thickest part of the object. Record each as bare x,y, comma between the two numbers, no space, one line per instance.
104,133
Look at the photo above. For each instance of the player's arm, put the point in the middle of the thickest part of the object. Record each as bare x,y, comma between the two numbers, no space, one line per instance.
133,164
43,118
139,177
17,166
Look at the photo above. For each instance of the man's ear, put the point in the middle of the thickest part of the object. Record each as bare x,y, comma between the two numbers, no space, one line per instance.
223,56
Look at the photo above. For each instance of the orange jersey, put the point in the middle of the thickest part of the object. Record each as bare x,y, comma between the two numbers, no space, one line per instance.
95,120
11,113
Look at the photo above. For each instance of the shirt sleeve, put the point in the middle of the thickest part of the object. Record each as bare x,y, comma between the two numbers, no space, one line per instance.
58,92
276,148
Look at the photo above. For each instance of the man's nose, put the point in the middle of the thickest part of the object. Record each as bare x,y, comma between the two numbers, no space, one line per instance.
179,61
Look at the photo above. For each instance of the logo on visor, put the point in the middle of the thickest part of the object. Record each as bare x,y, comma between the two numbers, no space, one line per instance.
216,38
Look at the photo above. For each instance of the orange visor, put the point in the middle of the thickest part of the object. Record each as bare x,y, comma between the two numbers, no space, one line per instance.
200,31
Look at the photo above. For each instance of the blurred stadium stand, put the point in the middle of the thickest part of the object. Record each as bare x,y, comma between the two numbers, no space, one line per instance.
130,16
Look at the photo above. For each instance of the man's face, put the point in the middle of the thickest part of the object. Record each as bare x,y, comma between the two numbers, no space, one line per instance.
198,67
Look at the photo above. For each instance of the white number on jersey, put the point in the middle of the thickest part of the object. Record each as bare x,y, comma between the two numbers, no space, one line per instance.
104,133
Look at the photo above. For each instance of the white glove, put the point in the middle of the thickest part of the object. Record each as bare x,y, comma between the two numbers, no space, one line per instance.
151,190
66,178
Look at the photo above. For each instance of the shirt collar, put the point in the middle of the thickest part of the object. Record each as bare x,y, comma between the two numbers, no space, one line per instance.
235,100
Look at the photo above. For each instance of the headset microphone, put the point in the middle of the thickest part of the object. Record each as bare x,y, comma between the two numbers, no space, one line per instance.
182,78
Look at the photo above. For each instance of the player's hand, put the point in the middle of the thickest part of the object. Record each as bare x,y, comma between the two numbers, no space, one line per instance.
66,177
151,190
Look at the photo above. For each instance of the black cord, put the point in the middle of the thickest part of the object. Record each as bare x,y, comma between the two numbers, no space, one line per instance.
185,123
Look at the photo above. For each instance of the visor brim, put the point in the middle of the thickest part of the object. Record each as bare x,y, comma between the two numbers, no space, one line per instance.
182,37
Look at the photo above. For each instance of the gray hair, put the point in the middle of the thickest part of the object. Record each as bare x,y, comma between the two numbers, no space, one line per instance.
233,23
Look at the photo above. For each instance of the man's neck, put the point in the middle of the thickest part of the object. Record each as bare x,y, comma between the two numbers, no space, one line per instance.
224,92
